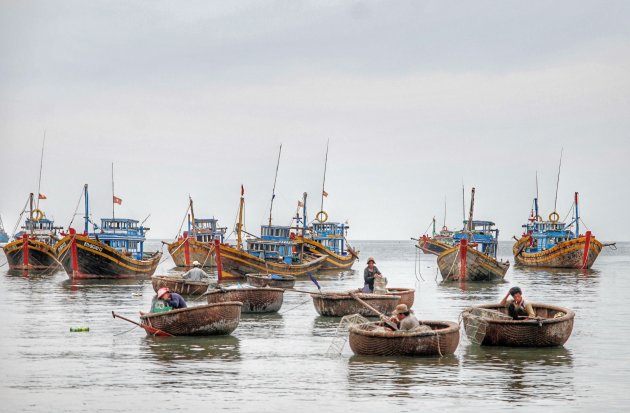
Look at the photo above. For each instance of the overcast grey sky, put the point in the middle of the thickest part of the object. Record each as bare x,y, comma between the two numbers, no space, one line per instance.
416,97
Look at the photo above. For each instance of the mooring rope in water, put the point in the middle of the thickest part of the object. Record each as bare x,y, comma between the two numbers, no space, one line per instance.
450,271
417,265
125,332
293,308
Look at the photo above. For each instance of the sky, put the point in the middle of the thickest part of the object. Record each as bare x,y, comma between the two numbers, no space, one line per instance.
416,99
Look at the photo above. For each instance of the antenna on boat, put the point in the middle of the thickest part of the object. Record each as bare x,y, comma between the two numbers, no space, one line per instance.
41,164
443,223
113,193
558,181
324,180
273,192
463,203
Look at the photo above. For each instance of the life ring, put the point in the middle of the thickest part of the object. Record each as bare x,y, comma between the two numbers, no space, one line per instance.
322,216
38,215
444,228
554,217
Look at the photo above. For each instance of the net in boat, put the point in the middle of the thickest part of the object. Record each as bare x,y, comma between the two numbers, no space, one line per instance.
341,334
476,323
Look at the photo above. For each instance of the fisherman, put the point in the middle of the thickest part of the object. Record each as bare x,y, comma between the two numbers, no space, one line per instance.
165,300
195,273
517,307
369,274
404,319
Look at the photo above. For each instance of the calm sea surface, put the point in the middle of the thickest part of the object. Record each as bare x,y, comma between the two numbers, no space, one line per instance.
280,362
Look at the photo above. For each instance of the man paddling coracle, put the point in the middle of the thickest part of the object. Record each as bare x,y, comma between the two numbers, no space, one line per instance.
165,300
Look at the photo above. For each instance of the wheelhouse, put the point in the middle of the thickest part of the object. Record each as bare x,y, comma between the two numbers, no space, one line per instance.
122,234
206,230
482,233
271,250
332,235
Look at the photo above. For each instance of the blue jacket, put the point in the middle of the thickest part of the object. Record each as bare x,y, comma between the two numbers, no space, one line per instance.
177,301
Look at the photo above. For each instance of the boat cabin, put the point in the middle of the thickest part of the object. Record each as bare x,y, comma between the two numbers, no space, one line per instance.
122,234
482,233
547,234
331,235
206,230
275,233
271,250
43,230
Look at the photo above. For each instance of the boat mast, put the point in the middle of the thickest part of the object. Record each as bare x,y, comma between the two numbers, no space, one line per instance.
324,180
558,181
463,204
434,226
239,225
472,207
444,222
273,192
41,164
87,209
113,193
31,214
192,217
577,217
304,214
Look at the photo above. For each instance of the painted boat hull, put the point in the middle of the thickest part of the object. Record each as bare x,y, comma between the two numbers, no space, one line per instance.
203,320
255,300
432,246
479,266
442,340
342,304
41,256
548,332
237,264
97,260
179,285
333,261
197,251
568,254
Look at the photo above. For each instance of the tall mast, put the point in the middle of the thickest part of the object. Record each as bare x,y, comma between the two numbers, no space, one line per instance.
472,207
86,218
273,192
192,214
433,227
577,217
324,180
239,225
31,214
558,181
443,223
113,193
304,214
463,204
41,164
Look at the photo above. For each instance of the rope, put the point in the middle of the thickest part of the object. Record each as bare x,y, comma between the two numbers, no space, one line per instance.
437,338
417,265
125,332
584,223
76,209
182,224
450,271
19,219
429,226
293,308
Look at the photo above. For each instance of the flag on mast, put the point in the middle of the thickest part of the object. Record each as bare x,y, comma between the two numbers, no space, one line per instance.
324,193
41,196
117,200
300,204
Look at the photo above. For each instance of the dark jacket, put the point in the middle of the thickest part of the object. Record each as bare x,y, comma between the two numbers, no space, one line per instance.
177,301
368,276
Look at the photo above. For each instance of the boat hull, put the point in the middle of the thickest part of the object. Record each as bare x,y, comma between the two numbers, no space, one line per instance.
237,264
443,339
179,285
333,261
204,320
547,332
85,258
568,254
432,246
41,256
184,256
255,300
479,266
342,304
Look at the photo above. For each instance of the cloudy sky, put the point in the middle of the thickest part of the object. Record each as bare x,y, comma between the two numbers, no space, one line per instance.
416,98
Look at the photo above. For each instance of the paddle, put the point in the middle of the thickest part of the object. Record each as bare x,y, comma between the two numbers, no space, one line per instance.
312,277
149,329
382,316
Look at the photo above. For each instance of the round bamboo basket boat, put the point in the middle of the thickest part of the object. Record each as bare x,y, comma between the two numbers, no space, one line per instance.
179,285
265,280
407,295
552,328
342,304
203,320
371,339
255,300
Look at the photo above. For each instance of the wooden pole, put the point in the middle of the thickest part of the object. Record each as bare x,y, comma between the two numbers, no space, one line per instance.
152,330
463,250
217,258
587,245
382,316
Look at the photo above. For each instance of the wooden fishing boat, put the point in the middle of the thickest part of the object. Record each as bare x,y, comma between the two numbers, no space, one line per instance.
553,244
255,300
179,285
271,280
337,257
340,304
196,244
437,243
115,250
204,320
552,328
371,339
33,247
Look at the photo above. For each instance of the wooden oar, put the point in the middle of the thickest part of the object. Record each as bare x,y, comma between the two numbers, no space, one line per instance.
152,330
382,316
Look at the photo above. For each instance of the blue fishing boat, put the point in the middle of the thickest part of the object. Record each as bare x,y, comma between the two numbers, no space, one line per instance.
555,244
3,234
114,249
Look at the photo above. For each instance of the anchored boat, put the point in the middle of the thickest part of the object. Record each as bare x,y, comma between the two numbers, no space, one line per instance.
197,244
33,247
437,243
4,237
254,299
555,244
114,250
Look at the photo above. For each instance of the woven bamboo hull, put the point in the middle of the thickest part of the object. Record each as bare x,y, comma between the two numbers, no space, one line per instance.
526,333
237,264
265,280
432,246
97,260
205,320
255,300
197,251
342,304
179,285
443,340
568,254
479,266
333,261
407,295
41,256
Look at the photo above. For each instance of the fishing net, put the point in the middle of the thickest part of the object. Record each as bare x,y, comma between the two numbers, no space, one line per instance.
341,334
476,323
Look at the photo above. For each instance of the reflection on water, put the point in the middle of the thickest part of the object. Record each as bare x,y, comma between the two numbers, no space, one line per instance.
177,349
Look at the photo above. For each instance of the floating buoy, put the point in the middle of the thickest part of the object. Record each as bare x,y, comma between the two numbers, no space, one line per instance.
79,329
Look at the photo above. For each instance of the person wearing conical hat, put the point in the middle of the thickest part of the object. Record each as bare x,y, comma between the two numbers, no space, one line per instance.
517,307
195,273
404,318
369,274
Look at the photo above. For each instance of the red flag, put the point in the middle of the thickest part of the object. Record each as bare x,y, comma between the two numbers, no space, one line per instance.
242,190
117,200
42,196
324,193
300,204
